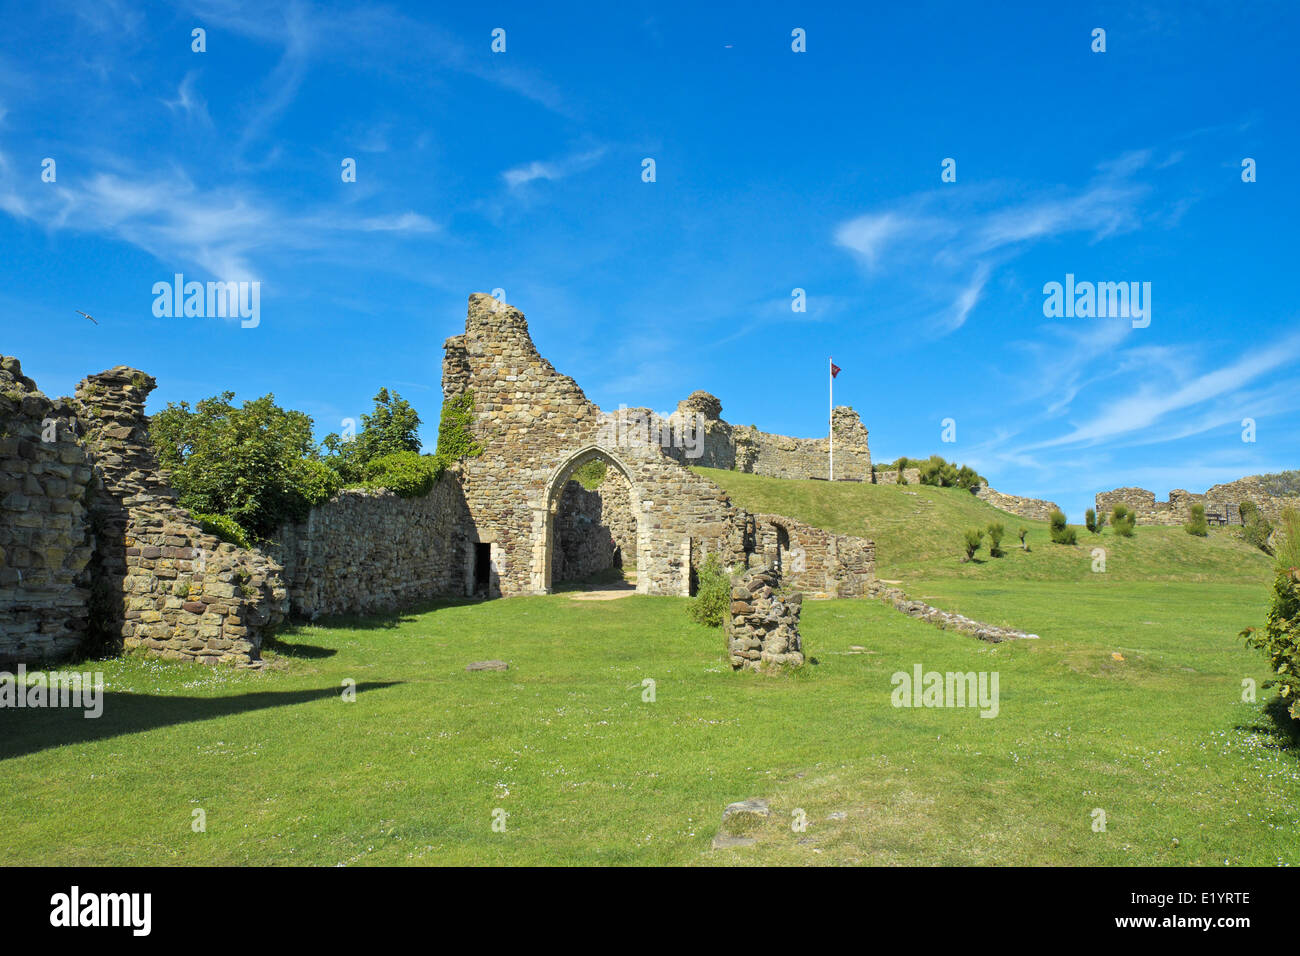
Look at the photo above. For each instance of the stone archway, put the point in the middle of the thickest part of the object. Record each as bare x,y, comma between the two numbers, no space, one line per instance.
544,523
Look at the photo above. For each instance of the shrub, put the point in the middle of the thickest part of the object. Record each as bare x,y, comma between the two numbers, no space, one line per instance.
1090,521
227,529
455,428
972,539
1288,539
1061,533
1280,638
1247,510
901,466
1021,532
1258,530
945,474
1197,524
712,601
1122,520
408,473
256,463
996,531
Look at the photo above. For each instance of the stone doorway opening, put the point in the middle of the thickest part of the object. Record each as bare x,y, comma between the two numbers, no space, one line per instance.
482,579
592,540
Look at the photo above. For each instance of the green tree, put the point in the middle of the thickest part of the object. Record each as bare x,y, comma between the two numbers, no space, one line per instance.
971,540
392,427
256,464
995,531
1197,524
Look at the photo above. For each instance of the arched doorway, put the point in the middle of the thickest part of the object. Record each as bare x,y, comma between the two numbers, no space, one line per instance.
592,526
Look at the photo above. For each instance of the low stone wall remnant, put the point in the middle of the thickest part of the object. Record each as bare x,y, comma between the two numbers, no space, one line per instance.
762,628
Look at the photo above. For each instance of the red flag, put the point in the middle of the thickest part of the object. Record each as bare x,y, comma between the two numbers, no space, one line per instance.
835,370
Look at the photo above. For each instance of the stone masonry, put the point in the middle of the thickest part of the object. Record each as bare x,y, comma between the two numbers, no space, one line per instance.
45,534
762,627
1224,499
96,553
745,448
159,581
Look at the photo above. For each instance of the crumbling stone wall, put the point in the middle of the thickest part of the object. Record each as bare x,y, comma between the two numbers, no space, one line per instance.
890,476
818,562
158,580
96,552
762,628
1035,509
370,550
745,448
1224,499
45,533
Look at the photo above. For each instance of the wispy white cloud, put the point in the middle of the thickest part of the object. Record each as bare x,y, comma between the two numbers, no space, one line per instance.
957,242
552,169
1153,402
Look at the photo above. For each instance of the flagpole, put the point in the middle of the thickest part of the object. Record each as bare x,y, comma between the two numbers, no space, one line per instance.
830,381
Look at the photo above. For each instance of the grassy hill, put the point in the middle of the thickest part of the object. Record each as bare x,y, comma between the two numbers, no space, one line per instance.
918,530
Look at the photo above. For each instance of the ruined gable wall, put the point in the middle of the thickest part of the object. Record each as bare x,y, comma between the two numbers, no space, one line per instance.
531,420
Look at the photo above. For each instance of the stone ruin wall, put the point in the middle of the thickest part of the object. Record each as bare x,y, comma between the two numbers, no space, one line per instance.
365,550
1035,509
745,448
819,563
96,552
1224,499
762,627
161,582
45,535
890,476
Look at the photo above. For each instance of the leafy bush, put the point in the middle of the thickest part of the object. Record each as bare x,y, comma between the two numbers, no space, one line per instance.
1282,484
901,466
1197,524
408,473
1090,521
1122,520
996,531
971,539
712,601
1022,532
1280,638
455,429
1247,510
256,464
227,529
1061,533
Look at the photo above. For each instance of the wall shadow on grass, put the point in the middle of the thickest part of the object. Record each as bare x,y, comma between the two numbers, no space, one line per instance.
385,620
26,731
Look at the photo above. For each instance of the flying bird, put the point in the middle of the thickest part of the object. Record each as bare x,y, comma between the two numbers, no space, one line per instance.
91,317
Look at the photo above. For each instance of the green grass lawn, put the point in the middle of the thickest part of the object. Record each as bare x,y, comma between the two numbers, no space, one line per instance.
918,531
288,772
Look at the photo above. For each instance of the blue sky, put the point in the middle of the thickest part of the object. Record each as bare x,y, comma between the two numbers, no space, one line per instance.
775,170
